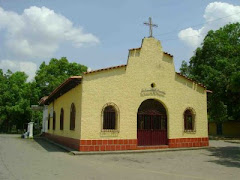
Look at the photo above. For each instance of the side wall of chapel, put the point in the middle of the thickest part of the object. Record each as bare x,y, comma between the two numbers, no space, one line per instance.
65,101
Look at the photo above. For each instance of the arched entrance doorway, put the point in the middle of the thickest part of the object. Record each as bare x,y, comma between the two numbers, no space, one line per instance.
151,123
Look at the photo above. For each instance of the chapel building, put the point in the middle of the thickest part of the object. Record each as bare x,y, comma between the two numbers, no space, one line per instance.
144,104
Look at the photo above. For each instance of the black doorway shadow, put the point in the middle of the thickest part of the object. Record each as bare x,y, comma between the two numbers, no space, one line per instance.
227,156
48,146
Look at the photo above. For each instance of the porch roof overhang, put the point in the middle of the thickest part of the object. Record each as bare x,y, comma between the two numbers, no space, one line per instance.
66,86
42,100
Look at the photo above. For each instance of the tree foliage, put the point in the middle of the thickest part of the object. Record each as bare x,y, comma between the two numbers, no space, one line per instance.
50,76
216,64
17,95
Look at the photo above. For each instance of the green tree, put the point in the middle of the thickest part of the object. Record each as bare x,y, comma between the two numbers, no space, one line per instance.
50,76
17,95
184,68
216,64
3,88
14,100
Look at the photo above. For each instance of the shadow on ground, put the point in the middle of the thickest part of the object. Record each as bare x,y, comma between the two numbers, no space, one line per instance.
226,156
48,146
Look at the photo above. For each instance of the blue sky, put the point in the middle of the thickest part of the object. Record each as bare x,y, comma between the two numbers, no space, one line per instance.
99,33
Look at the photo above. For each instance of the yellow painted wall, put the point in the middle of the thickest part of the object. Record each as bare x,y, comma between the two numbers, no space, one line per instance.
231,128
123,86
212,127
65,101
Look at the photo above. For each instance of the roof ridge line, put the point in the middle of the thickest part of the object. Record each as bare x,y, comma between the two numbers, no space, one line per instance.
200,84
103,69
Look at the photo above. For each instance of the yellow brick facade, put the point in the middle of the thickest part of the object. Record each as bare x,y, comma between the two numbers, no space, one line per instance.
124,86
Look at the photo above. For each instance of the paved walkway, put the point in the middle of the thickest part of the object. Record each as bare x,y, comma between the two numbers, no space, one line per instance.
26,159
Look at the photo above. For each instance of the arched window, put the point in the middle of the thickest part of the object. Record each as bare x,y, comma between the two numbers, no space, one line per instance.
61,119
109,118
48,121
189,118
72,117
54,120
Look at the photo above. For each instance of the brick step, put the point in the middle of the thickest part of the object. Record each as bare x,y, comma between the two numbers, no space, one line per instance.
152,147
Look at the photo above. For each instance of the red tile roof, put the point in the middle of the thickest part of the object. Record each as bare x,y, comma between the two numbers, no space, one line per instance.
63,88
42,100
190,79
104,69
168,54
75,80
135,49
124,65
209,91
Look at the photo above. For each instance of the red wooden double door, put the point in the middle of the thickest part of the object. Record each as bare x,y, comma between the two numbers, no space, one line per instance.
152,124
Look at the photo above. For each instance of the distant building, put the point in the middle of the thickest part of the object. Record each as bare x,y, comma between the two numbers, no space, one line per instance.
144,104
226,129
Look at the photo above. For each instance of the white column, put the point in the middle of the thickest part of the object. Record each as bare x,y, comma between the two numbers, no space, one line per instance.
30,129
45,119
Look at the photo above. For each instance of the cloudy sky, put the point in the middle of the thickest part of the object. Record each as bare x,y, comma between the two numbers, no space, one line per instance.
99,33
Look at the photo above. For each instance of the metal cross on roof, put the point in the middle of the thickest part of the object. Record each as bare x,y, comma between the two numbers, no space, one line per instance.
150,26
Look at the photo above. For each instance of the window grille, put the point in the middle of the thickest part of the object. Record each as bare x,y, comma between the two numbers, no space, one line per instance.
188,120
61,119
72,117
109,118
54,120
48,121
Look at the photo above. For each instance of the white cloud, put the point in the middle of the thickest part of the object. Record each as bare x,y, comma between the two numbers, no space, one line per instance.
29,68
38,32
190,36
215,10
